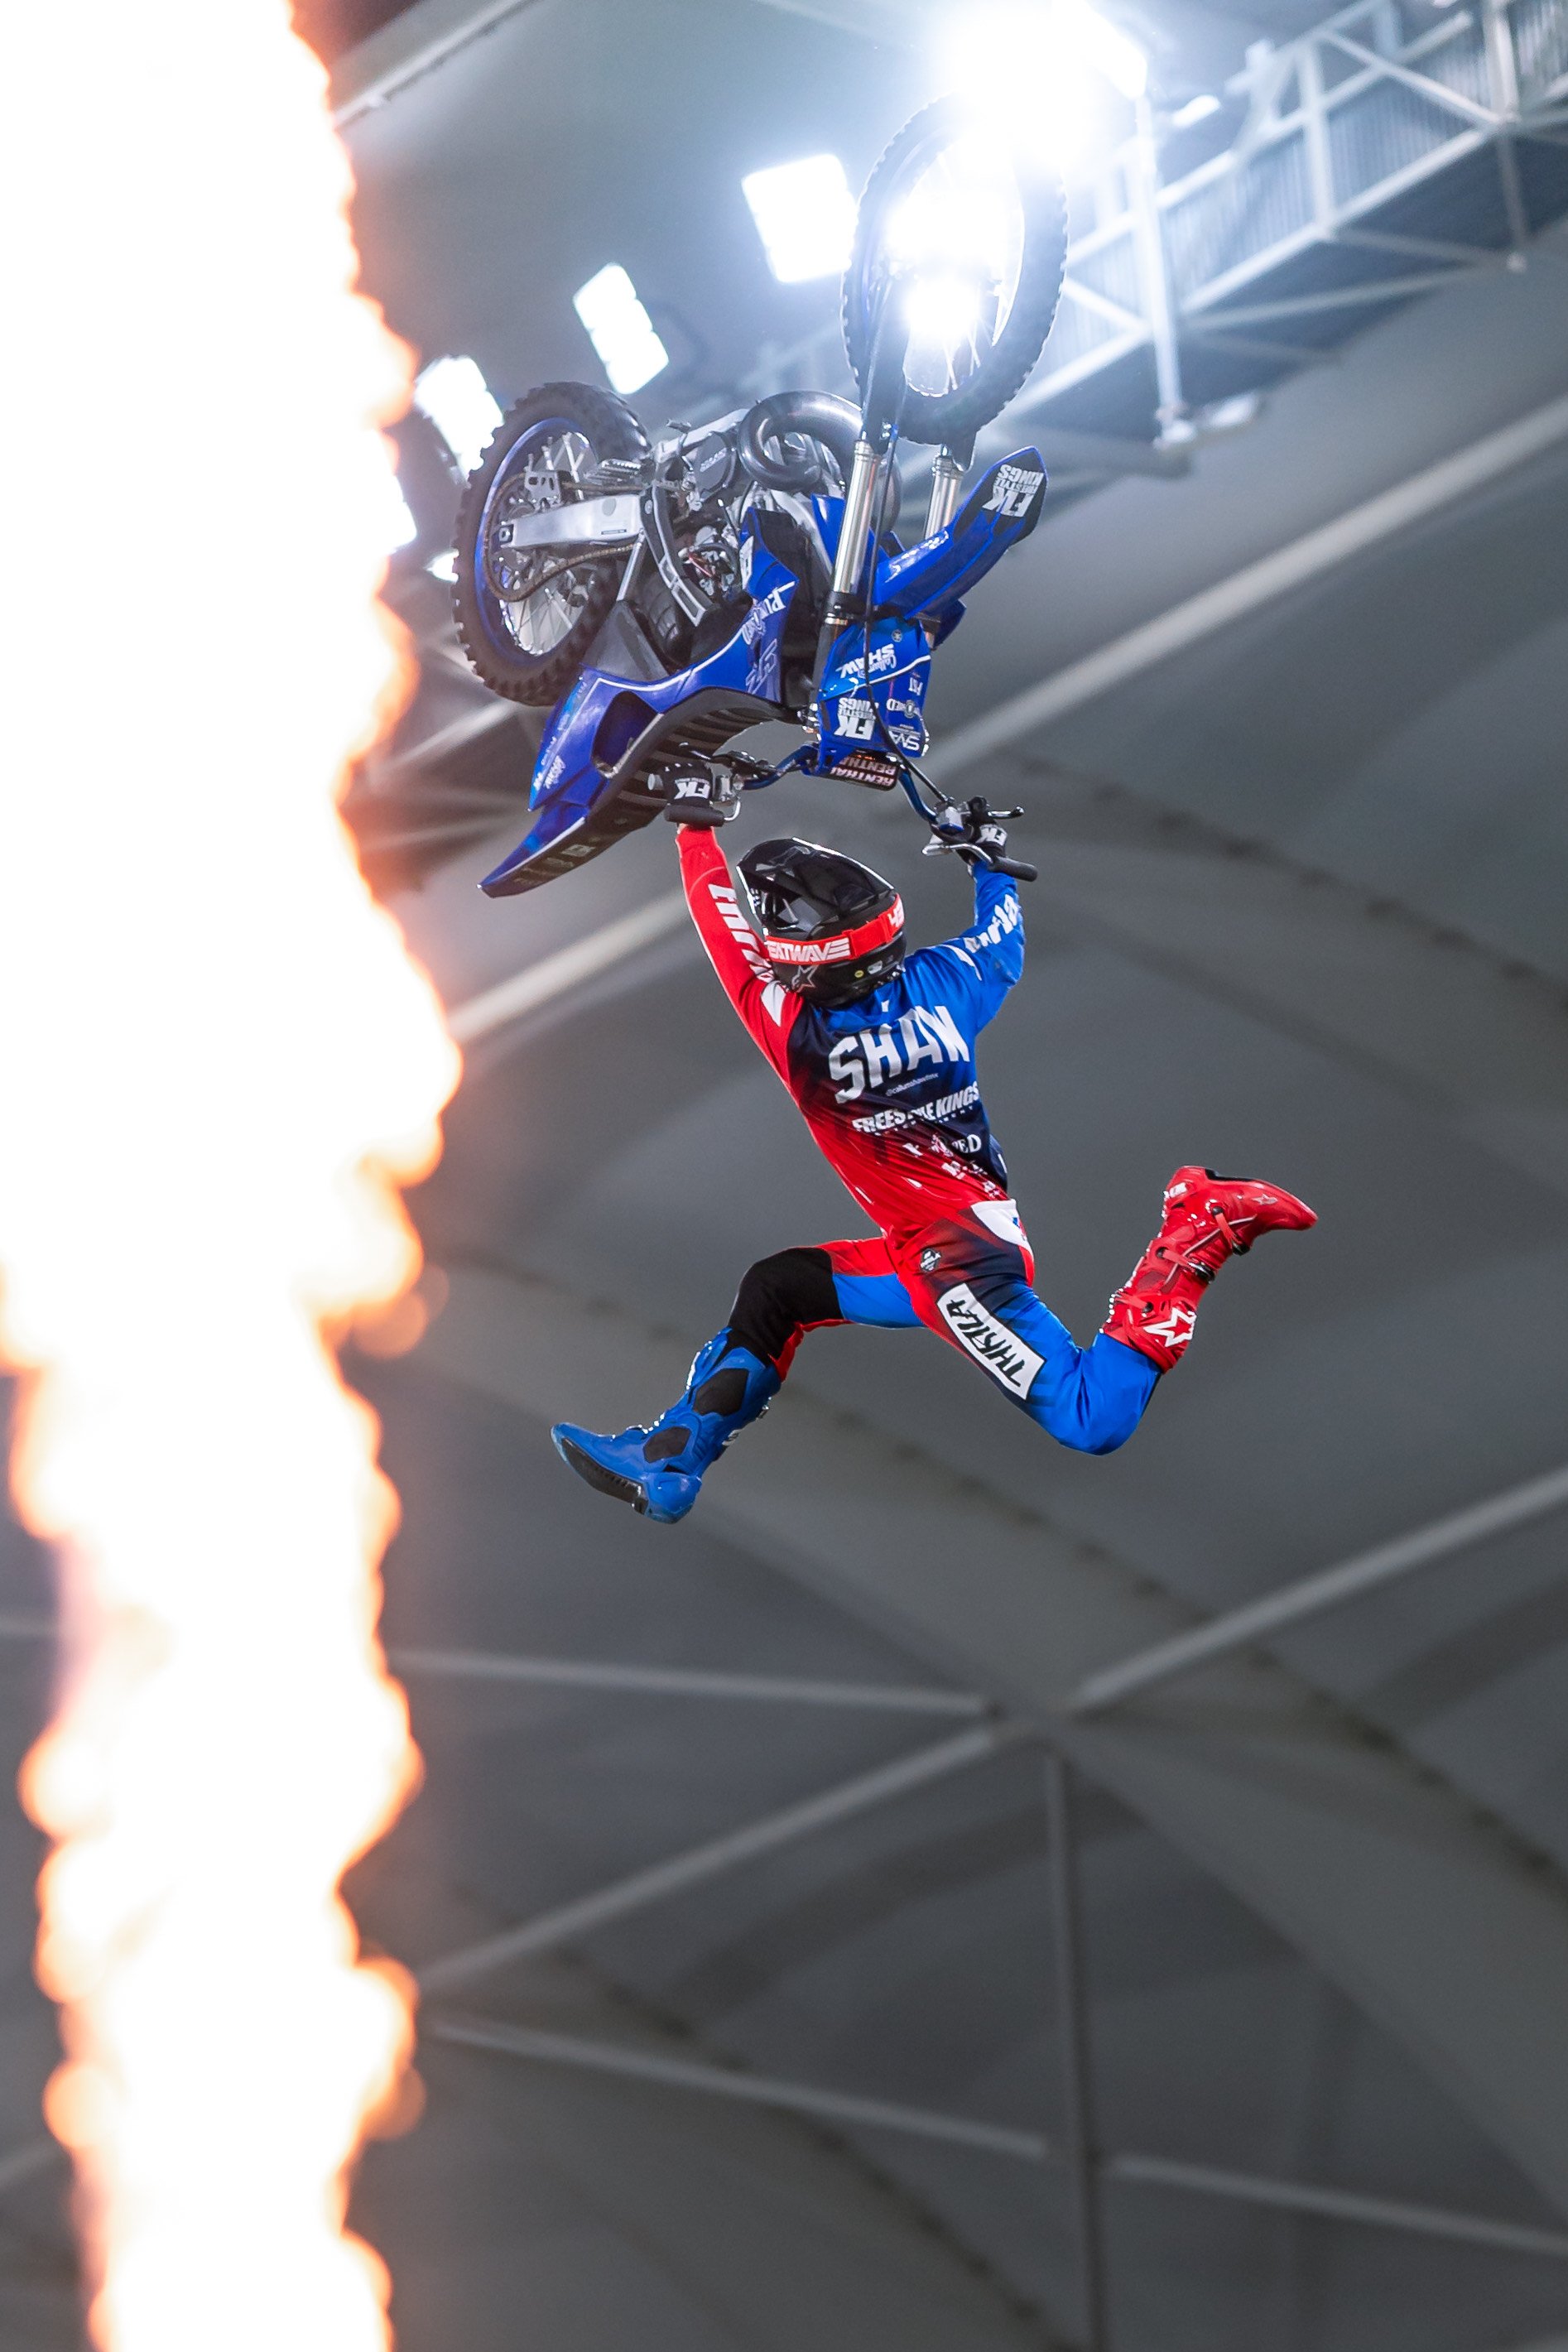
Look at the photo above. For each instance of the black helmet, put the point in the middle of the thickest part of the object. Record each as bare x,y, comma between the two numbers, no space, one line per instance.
833,929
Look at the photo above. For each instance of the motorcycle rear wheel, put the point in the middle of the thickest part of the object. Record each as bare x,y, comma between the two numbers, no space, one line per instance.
530,647
922,169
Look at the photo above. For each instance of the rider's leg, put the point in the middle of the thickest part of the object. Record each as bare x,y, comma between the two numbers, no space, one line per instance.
976,1295
659,1469
972,1291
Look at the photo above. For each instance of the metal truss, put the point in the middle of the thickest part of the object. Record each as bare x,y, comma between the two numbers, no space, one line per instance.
1331,1587
1380,156
637,2064
1089,2170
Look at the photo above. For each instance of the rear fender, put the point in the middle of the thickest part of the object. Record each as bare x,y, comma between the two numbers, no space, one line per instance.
595,776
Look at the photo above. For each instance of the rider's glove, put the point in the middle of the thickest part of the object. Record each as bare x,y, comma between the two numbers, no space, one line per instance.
705,797
975,835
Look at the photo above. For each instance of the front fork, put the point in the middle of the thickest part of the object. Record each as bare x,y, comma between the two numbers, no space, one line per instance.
855,551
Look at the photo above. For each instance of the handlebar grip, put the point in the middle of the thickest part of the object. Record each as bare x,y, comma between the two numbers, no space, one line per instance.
1018,868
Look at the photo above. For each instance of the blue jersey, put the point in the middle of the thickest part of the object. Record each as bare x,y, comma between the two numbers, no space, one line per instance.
888,1084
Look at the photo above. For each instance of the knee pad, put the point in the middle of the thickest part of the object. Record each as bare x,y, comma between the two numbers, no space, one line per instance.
780,1294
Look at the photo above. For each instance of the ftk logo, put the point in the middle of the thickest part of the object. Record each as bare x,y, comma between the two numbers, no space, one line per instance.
1011,491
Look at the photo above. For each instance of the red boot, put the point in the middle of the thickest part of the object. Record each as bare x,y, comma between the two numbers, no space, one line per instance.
1207,1218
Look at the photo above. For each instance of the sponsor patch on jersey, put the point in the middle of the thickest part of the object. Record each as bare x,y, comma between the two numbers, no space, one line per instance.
943,1108
1007,918
977,1331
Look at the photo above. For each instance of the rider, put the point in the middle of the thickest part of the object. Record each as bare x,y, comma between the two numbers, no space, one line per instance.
879,1054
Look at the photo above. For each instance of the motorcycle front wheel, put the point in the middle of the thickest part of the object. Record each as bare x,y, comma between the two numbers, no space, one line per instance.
528,618
961,242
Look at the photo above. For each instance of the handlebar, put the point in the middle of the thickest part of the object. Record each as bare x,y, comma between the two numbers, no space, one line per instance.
961,830
1019,868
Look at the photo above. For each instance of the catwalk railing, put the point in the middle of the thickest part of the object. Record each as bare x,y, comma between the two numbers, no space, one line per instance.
1362,116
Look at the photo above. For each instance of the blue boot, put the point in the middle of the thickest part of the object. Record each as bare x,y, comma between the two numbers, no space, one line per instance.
659,1471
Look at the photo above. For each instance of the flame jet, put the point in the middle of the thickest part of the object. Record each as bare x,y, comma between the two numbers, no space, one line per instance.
218,1066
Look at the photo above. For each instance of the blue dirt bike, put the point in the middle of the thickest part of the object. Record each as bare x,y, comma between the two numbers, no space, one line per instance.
666,599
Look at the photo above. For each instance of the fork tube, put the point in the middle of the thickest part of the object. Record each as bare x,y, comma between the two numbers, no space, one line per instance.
946,482
849,562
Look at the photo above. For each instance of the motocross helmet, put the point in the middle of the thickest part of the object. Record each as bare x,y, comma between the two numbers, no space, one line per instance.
833,931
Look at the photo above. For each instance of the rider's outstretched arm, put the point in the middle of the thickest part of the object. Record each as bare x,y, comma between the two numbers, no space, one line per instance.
767,1010
988,960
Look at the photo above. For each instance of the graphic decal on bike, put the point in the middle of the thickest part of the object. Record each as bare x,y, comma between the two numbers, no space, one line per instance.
1013,488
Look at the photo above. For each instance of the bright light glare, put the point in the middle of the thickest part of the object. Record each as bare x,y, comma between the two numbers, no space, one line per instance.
620,330
963,221
217,1065
1082,31
943,311
805,214
1054,68
1197,110
460,405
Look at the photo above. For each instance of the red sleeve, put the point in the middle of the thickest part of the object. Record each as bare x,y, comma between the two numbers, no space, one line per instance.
767,1008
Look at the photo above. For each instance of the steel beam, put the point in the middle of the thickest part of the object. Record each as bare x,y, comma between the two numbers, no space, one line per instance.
1080,2130
641,2065
724,2083
1339,2205
571,1921
1331,1588
681,1682
568,968
1333,543
1440,1023
413,44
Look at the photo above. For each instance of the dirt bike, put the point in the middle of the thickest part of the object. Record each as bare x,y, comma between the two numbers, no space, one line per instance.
667,598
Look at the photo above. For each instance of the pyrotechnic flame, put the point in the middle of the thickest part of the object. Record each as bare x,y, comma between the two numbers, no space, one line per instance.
217,1065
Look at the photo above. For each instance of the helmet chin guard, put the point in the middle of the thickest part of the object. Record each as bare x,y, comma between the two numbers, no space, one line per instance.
833,931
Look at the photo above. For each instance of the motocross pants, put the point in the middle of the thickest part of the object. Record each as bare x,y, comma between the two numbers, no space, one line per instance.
959,1282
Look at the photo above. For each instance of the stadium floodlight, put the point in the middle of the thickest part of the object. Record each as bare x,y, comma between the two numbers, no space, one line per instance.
620,330
1054,68
805,214
453,393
